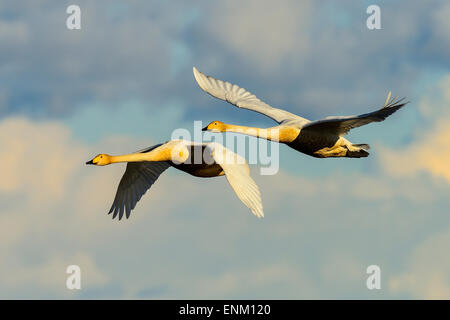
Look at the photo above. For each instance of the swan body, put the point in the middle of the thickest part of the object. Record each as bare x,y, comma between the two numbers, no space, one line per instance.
320,139
198,159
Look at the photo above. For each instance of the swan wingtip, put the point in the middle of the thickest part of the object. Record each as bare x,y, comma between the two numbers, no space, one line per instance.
259,214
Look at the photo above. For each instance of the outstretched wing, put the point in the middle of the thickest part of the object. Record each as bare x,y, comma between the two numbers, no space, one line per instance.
238,175
342,125
137,179
240,97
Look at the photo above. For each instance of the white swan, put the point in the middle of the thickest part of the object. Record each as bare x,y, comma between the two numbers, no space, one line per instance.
198,159
321,139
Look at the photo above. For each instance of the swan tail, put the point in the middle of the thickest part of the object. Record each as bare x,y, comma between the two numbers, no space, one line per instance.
358,151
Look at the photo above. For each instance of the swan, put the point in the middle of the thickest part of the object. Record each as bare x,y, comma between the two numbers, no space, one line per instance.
320,139
145,166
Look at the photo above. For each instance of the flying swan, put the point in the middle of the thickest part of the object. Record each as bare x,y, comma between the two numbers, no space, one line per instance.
198,159
320,139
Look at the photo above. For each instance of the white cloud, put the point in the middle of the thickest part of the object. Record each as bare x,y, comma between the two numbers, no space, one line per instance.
265,35
426,275
247,282
49,277
36,157
191,237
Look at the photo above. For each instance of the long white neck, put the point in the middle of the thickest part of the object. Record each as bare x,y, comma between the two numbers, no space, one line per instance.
171,151
136,157
277,134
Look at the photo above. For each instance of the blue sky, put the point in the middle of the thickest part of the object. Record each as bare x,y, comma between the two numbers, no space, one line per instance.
124,82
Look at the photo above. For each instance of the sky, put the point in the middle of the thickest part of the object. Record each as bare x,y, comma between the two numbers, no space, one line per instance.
124,82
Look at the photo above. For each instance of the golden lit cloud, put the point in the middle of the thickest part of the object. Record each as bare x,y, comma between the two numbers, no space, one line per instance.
37,159
62,220
428,152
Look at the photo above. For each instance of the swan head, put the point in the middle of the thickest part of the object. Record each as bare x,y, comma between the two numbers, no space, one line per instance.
100,160
215,126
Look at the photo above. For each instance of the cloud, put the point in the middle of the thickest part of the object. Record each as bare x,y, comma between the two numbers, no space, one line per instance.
441,29
426,274
49,277
433,105
427,152
40,191
14,33
266,36
326,62
36,157
245,283
191,237
119,52
307,57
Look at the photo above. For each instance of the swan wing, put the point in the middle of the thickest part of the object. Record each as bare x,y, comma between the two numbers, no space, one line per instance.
342,125
237,173
137,179
239,97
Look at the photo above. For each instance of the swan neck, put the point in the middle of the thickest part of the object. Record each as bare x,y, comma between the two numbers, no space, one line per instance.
158,154
276,134
133,157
